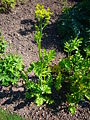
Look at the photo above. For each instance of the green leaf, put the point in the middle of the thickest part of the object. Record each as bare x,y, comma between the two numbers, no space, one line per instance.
58,81
45,89
87,96
72,109
39,100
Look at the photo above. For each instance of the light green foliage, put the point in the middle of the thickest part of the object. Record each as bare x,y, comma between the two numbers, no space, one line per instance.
2,44
10,3
58,81
76,70
10,65
43,16
7,4
69,47
5,115
42,89
72,108
10,69
43,72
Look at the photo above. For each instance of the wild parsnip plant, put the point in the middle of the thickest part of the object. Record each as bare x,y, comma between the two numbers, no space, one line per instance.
42,16
75,69
41,90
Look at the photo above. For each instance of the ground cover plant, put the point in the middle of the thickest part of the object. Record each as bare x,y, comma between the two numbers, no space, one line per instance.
10,65
7,5
5,115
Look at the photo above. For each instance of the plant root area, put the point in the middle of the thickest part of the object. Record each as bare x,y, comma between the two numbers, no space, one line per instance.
18,29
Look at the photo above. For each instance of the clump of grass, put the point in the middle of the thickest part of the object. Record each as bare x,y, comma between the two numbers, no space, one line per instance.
5,115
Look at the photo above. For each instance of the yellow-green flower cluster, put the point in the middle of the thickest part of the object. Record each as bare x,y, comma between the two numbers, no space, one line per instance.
42,14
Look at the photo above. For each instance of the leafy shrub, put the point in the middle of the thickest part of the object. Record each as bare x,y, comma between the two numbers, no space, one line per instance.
76,22
41,90
75,70
10,69
10,65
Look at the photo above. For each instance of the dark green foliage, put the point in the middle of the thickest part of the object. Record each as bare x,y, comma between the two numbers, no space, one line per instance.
76,22
75,69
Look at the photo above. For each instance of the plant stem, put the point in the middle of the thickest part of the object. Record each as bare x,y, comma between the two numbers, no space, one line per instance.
39,47
39,43
41,73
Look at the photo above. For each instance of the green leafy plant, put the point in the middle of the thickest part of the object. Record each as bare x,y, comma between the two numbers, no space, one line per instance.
43,16
75,69
2,44
7,4
10,65
10,69
70,24
43,72
6,115
41,90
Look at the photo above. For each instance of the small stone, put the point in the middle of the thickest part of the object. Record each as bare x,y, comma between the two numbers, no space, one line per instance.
19,84
18,89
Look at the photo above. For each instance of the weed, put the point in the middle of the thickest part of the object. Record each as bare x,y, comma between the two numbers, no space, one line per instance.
41,90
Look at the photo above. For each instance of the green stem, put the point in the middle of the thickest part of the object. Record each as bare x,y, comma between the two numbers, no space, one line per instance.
39,43
44,74
41,73
39,48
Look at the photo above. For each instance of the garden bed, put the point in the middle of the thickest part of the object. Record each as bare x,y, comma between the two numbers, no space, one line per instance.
18,29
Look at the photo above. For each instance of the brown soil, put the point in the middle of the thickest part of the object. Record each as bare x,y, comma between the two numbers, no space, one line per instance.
18,29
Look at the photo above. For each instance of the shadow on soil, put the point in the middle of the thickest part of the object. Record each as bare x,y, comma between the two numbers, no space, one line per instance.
28,25
73,22
51,39
58,97
14,96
